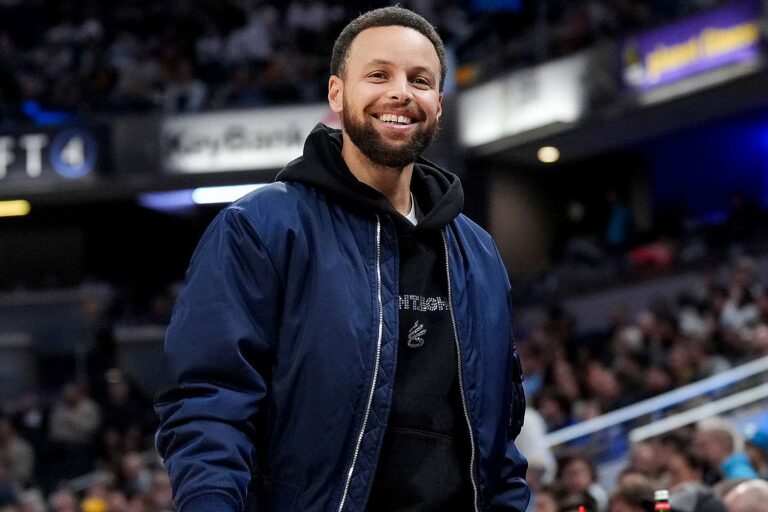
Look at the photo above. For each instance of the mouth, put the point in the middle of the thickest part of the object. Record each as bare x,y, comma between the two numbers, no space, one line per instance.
394,119
396,123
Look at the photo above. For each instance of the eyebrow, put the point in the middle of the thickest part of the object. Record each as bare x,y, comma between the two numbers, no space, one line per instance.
384,62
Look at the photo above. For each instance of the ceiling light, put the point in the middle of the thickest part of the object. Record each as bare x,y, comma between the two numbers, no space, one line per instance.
16,208
549,154
212,195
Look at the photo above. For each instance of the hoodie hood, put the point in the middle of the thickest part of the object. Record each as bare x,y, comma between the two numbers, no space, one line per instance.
322,167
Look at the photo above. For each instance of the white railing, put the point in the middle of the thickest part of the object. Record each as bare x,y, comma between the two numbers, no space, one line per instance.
699,413
658,403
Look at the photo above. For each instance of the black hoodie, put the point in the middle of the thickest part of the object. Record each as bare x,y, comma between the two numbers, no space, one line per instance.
424,461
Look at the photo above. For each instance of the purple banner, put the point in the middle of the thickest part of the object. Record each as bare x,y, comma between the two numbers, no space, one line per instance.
728,35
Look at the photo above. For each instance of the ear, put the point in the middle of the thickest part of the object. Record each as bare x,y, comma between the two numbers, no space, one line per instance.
336,93
439,105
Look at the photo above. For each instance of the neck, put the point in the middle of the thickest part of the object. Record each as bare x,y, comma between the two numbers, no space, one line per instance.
394,183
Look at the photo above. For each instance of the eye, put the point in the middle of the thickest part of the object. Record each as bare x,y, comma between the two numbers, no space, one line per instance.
378,75
422,82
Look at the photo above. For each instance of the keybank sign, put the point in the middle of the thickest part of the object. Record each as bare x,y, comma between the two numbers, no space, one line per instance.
238,141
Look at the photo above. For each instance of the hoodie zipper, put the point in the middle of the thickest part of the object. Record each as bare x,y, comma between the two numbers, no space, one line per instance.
461,382
375,367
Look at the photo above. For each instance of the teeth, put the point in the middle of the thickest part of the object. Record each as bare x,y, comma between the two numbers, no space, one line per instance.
392,118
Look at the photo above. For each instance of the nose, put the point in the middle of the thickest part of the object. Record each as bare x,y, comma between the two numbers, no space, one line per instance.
399,90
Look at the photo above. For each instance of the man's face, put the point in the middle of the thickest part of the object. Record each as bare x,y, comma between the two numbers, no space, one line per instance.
389,97
709,446
576,476
679,472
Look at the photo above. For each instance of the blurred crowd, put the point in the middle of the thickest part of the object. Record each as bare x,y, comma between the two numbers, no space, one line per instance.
573,376
706,468
85,448
79,57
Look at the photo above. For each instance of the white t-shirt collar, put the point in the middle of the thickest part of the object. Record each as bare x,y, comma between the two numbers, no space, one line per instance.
412,214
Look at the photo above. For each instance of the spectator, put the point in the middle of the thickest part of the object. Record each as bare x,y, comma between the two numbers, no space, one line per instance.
126,412
740,310
240,91
254,42
758,344
63,500
689,316
577,474
9,487
723,487
535,367
209,54
134,477
535,448
117,501
74,420
31,500
619,225
555,409
564,376
750,496
685,472
30,417
544,500
632,498
16,452
581,242
141,503
74,417
645,457
569,501
161,493
631,476
309,22
717,442
603,385
756,448
183,92
135,91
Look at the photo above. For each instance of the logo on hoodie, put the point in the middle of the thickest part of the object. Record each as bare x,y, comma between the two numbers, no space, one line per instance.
415,334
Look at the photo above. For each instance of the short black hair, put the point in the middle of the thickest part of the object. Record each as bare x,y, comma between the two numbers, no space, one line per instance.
385,17
576,456
639,496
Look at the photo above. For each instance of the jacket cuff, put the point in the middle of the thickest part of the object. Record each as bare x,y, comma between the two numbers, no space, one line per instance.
209,502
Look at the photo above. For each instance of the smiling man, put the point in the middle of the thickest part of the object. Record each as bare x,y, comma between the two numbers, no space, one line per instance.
343,341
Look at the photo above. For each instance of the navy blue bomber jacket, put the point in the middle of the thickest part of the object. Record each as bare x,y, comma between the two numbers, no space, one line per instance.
280,354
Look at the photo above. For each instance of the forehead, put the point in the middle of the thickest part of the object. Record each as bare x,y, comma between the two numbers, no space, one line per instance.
402,46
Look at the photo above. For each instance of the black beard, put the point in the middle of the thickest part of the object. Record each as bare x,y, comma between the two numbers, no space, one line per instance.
367,139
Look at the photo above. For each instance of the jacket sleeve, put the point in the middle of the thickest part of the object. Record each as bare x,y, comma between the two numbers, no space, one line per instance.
217,357
513,492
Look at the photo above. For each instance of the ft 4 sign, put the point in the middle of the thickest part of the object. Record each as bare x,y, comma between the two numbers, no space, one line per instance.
71,154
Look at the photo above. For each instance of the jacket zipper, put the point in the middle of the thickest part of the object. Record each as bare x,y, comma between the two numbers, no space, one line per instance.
461,382
375,367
